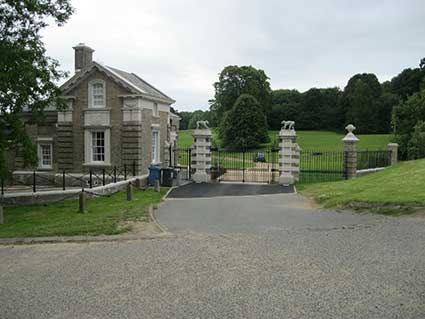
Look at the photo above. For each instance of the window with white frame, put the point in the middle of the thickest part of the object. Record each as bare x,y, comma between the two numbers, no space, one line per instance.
45,155
98,146
155,147
155,110
97,94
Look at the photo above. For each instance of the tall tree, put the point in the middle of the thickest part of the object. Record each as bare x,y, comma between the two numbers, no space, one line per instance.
237,80
27,76
318,109
406,116
244,126
406,83
386,103
416,145
285,106
359,102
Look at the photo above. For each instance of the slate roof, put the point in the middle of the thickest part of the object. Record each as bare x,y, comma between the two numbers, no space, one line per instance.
140,83
130,80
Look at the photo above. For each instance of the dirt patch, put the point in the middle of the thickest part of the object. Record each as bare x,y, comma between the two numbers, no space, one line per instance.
140,228
387,209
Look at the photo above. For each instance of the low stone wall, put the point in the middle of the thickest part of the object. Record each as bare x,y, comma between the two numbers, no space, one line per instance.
364,172
44,197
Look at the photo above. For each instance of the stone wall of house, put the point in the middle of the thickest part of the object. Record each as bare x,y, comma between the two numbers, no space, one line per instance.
64,150
45,128
163,122
132,146
148,121
129,141
113,103
146,139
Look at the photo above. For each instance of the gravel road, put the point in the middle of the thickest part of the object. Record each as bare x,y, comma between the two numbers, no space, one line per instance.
370,268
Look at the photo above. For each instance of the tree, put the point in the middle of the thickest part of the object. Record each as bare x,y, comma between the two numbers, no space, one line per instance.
406,116
386,103
244,126
318,109
27,76
407,82
235,81
184,119
285,106
359,102
416,146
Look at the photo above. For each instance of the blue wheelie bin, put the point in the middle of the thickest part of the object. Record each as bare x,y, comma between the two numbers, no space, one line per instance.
154,174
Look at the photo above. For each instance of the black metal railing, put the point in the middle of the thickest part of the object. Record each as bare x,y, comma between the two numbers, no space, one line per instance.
373,159
89,178
321,166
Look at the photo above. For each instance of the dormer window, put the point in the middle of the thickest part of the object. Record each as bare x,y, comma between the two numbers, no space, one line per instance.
97,94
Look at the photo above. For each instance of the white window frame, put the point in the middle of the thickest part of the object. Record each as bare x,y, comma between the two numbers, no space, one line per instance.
95,148
88,143
91,94
156,147
40,155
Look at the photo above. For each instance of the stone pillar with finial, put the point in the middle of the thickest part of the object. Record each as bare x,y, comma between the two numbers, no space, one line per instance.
289,154
350,152
201,152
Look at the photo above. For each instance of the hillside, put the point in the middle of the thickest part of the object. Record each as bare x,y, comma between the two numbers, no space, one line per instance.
402,184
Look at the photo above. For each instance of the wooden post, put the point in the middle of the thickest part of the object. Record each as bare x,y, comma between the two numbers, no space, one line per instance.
83,202
129,192
1,215
157,186
63,180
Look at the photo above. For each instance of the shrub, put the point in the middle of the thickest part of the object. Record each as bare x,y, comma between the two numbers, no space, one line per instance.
416,146
244,126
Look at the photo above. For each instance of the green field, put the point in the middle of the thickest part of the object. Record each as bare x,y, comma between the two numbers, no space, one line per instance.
310,140
105,215
402,184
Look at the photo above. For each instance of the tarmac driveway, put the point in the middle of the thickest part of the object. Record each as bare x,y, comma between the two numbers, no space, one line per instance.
253,214
266,256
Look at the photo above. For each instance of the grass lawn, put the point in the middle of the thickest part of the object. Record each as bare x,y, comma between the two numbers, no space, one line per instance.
310,140
402,184
62,219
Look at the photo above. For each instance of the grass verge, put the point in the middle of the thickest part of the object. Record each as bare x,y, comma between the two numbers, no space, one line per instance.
397,190
105,215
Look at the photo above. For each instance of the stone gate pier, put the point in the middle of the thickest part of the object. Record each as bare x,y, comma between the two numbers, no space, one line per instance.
289,154
201,154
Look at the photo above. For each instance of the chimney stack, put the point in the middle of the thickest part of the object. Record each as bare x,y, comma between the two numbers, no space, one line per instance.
83,56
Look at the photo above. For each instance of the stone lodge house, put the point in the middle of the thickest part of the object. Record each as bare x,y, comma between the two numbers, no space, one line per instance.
114,118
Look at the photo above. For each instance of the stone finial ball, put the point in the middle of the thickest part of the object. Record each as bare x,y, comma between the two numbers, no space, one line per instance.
350,128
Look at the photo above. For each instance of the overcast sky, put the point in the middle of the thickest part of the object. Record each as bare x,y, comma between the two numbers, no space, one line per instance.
180,46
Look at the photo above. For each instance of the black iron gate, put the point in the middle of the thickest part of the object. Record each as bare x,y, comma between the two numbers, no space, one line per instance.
260,166
181,159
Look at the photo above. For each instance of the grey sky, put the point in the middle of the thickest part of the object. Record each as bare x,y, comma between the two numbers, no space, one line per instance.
181,46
